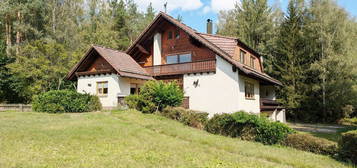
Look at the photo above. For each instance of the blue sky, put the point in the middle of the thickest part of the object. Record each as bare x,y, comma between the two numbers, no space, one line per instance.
196,12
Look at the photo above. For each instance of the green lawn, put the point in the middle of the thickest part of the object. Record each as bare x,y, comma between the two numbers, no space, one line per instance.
131,139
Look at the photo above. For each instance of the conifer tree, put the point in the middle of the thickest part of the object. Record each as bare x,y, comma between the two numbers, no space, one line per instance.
289,65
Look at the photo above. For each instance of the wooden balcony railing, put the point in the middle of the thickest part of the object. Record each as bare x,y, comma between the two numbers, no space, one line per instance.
182,68
269,105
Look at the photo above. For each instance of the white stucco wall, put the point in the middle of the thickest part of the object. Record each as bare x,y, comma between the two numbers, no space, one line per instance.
116,86
278,115
220,92
157,49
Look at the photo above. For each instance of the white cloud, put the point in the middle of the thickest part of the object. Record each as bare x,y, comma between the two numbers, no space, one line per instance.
217,5
206,9
185,5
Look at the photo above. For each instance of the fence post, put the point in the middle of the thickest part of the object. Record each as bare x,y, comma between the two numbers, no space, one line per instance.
21,108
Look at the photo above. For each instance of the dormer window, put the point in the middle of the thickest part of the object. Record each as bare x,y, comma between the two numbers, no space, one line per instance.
169,35
242,56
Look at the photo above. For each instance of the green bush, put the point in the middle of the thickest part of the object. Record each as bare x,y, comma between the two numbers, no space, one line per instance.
348,146
349,121
248,127
307,142
155,96
185,116
222,124
60,101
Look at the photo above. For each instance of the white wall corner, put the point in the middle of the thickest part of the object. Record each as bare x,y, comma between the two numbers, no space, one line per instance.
157,49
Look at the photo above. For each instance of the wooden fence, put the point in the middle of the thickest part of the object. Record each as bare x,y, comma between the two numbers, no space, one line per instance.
15,107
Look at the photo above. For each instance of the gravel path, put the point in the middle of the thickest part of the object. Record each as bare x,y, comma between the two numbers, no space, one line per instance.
315,127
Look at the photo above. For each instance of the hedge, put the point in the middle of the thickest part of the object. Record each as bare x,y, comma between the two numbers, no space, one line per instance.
248,127
188,117
348,146
61,101
307,142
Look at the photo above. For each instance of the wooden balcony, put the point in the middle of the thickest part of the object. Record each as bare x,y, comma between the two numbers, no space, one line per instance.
269,105
182,68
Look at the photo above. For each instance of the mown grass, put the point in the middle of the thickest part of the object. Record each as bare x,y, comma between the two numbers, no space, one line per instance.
131,139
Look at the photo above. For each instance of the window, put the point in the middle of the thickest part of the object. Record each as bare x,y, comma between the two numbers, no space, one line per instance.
242,56
169,35
249,90
180,58
177,34
252,60
134,88
172,59
102,88
185,58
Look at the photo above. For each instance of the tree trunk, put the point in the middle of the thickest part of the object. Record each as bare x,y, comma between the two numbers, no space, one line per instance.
18,34
54,17
8,34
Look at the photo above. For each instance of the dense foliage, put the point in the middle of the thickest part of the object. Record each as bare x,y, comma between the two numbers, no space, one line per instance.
155,96
348,146
41,40
248,127
188,117
61,101
311,49
307,142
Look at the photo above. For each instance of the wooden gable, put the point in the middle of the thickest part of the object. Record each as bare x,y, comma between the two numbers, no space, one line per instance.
170,46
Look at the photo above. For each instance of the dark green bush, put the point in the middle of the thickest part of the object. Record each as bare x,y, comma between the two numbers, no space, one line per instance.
307,142
248,127
155,96
185,116
348,146
222,124
60,101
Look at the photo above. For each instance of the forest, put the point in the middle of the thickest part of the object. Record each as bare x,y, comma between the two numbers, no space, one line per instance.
311,48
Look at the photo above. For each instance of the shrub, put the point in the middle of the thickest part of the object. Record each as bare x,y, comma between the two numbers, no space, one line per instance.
248,127
307,142
155,96
59,101
349,121
348,146
222,124
185,116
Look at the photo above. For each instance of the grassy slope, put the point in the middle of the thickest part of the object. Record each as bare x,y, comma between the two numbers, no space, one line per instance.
131,139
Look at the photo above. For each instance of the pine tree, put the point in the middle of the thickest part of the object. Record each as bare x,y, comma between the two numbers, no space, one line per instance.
150,14
289,61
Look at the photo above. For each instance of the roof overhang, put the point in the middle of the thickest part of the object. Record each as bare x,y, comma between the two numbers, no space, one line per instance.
139,75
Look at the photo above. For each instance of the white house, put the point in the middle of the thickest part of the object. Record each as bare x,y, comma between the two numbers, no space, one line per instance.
218,74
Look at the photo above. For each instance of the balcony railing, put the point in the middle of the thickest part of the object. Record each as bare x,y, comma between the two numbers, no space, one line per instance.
269,105
182,68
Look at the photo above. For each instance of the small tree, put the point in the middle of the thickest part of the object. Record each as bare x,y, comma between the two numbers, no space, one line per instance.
155,96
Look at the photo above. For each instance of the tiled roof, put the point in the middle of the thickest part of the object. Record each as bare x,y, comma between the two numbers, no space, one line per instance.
123,63
227,44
